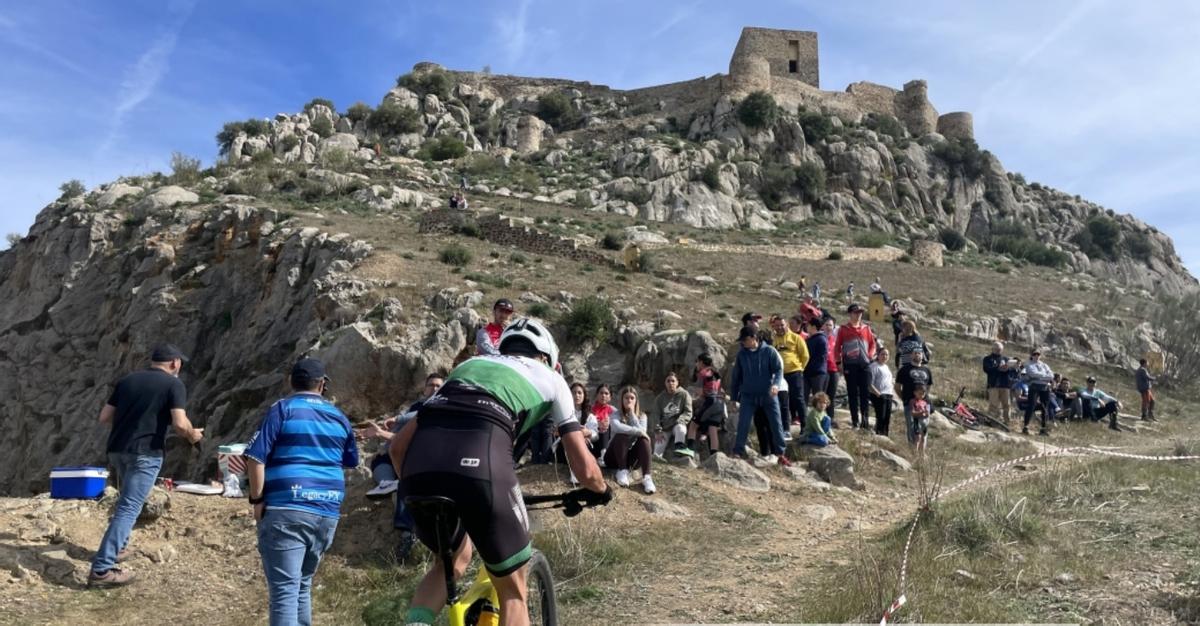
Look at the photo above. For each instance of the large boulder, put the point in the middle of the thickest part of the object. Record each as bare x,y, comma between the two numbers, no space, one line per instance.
114,193
831,463
673,351
736,472
345,142
164,198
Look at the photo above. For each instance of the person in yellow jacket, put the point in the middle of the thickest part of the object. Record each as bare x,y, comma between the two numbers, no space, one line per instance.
794,352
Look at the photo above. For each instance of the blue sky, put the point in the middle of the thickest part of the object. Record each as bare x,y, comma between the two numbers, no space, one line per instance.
1095,97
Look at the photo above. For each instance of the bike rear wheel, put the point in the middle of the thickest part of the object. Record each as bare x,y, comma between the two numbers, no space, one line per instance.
541,601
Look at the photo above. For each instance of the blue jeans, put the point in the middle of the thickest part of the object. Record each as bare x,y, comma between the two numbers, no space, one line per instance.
381,470
818,439
291,544
770,405
136,474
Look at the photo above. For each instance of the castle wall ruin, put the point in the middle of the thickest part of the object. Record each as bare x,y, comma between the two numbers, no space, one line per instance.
508,231
790,54
913,108
956,125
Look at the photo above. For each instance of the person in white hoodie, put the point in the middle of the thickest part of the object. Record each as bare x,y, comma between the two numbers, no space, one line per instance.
1040,379
630,439
882,389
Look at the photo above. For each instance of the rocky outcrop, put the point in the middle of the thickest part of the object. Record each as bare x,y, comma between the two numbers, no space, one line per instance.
736,472
832,463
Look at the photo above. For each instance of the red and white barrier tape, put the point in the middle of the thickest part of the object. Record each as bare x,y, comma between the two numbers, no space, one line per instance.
902,599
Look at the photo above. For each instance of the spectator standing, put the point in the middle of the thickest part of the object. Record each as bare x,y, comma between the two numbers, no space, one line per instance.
295,464
850,291
1097,404
794,351
755,380
802,283
630,439
854,348
141,407
829,328
1040,377
487,339
898,318
816,431
882,392
605,413
672,413
809,311
996,368
911,376
1145,387
816,373
918,407
386,481
910,341
754,321
816,290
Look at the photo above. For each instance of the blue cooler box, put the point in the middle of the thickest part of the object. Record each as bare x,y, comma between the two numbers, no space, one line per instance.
77,482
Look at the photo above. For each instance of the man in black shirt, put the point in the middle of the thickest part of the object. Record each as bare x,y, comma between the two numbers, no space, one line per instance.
141,407
909,377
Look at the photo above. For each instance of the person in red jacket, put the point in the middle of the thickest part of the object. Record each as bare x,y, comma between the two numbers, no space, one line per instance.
828,328
854,349
487,339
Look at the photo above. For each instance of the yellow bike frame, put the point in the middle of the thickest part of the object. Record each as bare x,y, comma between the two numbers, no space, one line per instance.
481,589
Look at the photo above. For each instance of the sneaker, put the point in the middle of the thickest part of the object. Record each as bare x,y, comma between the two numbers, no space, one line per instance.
783,460
1043,433
787,436
1115,427
648,485
112,578
600,459
384,489
685,451
405,545
623,478
797,423
1025,431
771,459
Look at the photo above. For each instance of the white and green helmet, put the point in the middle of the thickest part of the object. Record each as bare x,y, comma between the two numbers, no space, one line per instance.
536,333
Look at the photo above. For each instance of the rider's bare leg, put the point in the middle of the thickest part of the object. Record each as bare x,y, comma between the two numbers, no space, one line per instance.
431,593
512,591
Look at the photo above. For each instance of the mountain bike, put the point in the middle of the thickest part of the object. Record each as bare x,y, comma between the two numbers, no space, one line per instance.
480,604
971,418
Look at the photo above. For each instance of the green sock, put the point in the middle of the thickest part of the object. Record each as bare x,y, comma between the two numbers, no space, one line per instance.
419,616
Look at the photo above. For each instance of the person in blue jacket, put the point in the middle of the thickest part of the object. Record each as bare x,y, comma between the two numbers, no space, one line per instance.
816,372
754,384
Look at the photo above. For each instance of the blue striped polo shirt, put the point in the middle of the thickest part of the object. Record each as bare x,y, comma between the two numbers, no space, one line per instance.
304,442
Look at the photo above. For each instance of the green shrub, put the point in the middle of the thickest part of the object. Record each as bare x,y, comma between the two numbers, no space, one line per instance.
886,125
637,195
455,254
358,112
612,241
262,158
962,156
185,170
322,127
540,310
583,199
817,126
647,262
71,189
288,143
1139,246
1030,250
470,229
905,258
590,318
480,164
13,239
442,149
952,239
394,119
711,176
315,101
777,180
556,109
758,110
872,239
518,258
835,255
1099,238
810,181
437,82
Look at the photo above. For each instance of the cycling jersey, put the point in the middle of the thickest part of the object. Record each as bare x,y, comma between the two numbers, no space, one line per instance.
515,392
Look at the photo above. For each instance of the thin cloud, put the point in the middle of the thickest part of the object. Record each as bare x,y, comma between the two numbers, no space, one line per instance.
11,33
680,14
143,77
513,32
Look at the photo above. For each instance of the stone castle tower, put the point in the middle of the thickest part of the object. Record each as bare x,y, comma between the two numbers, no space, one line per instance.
765,53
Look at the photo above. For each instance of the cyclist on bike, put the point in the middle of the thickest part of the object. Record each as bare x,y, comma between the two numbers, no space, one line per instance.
460,447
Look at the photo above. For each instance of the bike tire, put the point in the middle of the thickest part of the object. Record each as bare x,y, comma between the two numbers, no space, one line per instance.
542,601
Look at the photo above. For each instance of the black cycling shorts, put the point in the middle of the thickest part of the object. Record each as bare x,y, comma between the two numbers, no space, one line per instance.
469,460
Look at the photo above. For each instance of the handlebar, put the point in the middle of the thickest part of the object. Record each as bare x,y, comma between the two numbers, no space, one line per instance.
544,499
571,502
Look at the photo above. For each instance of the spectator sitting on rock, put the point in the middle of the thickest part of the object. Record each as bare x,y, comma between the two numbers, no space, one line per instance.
605,413
702,373
816,431
591,434
910,341
996,368
816,373
453,201
1040,377
630,439
708,419
1145,387
876,287
1020,394
757,374
1097,404
672,412
386,481
911,376
1068,399
882,392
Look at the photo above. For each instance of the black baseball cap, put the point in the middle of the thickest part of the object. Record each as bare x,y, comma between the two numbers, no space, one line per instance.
503,303
308,369
747,332
751,316
854,307
1091,379
165,352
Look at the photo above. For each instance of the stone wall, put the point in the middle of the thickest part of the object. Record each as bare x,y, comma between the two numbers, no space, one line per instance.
873,98
508,231
680,95
776,47
956,125
913,108
927,253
